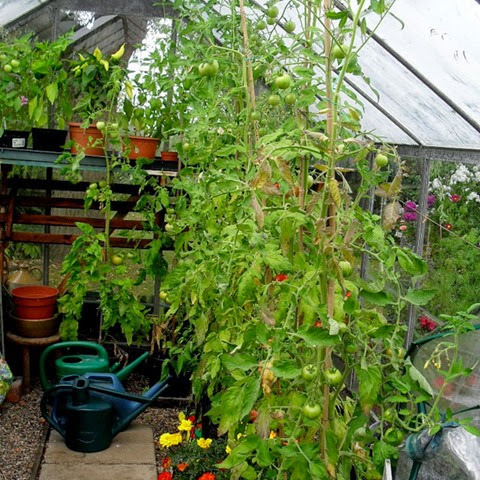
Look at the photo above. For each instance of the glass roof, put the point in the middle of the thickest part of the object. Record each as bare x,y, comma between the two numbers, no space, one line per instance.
13,9
428,82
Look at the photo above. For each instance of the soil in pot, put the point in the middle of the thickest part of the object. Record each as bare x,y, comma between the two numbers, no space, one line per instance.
142,147
14,139
34,301
48,139
85,137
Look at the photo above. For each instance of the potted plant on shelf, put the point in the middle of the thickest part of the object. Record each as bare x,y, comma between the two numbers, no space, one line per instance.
15,58
96,82
49,98
141,123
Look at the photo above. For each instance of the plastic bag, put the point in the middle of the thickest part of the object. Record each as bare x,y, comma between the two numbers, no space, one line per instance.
6,379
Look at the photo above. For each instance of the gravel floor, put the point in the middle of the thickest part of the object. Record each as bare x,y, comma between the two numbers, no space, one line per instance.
22,428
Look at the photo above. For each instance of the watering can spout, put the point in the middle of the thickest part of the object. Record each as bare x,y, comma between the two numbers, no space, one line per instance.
124,373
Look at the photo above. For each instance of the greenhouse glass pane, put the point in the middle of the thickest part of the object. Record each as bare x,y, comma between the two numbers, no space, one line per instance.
440,39
10,10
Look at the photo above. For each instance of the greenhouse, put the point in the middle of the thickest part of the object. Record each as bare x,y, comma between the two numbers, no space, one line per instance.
239,239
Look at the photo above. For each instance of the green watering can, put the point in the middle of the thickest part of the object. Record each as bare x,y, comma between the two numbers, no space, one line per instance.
96,361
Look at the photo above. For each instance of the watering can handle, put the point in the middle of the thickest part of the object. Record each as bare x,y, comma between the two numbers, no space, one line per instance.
43,408
101,352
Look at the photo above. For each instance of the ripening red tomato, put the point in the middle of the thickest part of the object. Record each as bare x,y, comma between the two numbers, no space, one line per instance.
280,277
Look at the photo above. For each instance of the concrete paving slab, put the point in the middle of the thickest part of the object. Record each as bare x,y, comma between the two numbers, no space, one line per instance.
58,471
131,456
135,445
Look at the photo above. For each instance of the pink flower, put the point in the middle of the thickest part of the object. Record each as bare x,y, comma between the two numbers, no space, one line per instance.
402,228
427,324
409,216
455,198
23,100
410,205
431,199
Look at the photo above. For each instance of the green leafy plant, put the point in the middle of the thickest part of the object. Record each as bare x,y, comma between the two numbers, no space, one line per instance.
269,234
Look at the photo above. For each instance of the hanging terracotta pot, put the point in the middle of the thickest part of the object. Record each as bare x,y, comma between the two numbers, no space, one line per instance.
85,138
34,301
142,147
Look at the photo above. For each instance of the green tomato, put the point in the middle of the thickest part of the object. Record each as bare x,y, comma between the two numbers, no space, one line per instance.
339,51
100,125
102,183
309,372
215,66
170,211
186,147
274,100
169,227
117,259
333,377
163,295
272,11
205,70
283,81
289,26
261,25
15,63
346,268
93,186
311,411
290,99
393,436
7,68
389,415
310,181
271,20
255,115
114,126
351,348
381,160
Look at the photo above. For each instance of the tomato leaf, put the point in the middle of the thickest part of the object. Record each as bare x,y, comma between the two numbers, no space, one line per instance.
420,379
317,337
369,383
419,297
377,298
241,361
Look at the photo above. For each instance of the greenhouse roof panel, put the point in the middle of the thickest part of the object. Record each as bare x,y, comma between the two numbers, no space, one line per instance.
12,10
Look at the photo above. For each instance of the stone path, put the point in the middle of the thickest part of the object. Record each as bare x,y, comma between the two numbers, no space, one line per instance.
131,456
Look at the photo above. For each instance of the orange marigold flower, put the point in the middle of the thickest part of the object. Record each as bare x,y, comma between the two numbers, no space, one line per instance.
165,476
166,462
207,476
182,466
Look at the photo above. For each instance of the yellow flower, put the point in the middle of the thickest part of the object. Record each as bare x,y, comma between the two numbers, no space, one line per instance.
204,442
169,439
228,450
239,436
185,425
272,435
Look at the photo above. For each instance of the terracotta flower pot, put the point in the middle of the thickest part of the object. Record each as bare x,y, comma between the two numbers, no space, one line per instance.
35,327
169,156
34,301
85,137
142,147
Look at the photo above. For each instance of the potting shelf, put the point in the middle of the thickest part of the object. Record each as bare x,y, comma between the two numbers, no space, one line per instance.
37,158
18,193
